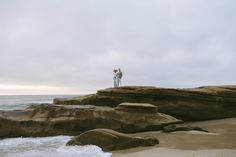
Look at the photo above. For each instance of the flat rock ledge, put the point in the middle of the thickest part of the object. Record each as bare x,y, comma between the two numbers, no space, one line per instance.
190,104
50,120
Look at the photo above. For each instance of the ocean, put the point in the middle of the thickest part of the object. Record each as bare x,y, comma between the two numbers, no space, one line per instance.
41,146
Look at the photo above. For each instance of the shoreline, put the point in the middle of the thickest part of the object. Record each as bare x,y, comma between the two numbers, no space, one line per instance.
168,152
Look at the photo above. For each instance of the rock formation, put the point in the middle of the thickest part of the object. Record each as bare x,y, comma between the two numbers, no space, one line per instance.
203,103
48,119
181,127
110,140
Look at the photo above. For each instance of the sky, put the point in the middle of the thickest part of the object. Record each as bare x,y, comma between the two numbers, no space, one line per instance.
72,46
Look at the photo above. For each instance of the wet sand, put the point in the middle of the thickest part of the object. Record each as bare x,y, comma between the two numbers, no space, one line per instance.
219,142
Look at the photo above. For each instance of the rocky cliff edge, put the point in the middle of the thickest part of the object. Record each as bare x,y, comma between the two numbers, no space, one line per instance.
202,103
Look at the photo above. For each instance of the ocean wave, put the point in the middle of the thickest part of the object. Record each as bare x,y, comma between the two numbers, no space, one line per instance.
47,147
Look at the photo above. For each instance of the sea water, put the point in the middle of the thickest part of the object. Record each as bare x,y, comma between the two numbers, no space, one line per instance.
13,102
54,146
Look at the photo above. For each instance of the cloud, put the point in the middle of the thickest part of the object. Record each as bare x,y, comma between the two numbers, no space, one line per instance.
76,44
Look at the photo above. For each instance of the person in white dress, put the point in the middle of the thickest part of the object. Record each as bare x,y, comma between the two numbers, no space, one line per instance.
115,81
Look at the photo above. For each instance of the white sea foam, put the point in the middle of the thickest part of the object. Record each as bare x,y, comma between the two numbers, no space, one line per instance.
47,147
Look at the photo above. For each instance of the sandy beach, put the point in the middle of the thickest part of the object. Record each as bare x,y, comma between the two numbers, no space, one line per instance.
219,142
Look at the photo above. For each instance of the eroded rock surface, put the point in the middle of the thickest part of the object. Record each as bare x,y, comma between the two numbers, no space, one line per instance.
203,103
48,119
110,140
137,107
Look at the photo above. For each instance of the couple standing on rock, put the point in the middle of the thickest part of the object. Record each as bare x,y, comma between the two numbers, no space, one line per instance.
117,77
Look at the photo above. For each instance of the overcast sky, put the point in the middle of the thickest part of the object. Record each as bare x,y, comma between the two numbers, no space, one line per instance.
72,46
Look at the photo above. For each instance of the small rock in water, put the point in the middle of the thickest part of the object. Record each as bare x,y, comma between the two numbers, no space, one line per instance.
181,127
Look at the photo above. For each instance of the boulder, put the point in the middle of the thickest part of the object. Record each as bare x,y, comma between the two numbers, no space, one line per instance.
110,140
49,120
181,127
202,103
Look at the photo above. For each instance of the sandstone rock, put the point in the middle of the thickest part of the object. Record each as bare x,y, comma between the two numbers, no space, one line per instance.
203,103
110,140
47,120
181,127
137,107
